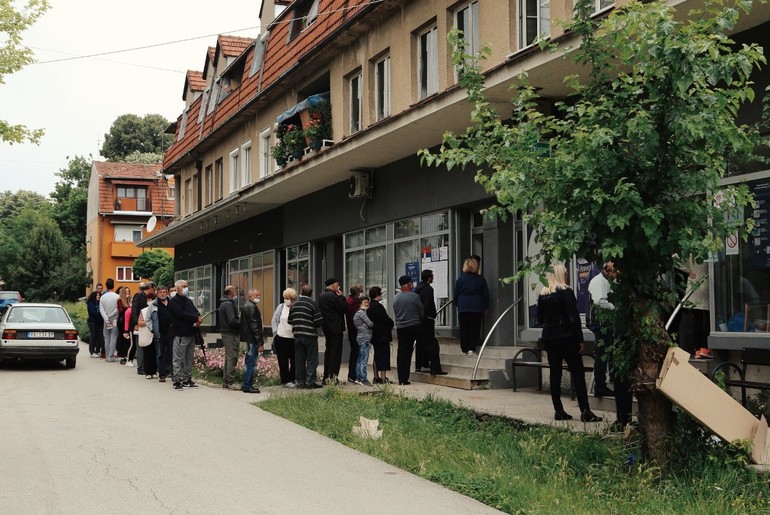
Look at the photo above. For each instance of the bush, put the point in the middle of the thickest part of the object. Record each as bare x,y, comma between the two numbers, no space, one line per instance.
211,367
79,315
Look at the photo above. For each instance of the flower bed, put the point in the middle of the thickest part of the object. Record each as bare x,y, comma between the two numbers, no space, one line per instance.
212,365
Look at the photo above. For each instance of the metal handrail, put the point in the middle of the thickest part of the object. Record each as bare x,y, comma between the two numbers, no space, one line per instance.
489,335
678,308
442,308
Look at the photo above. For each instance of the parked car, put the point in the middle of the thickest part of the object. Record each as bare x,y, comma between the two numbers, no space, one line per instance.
9,297
38,331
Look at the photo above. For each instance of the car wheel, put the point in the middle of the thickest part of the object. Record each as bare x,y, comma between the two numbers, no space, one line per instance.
70,362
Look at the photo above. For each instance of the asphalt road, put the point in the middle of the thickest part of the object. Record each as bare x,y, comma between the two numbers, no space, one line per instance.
102,439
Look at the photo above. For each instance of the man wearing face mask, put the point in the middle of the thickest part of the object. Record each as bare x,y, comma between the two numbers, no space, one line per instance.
160,317
231,329
186,319
283,338
251,332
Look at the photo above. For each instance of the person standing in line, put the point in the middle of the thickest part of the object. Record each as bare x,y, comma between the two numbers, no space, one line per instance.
305,319
427,352
333,308
124,343
364,334
563,340
145,320
95,325
138,303
599,291
407,307
231,329
186,319
472,299
108,308
251,332
353,300
382,335
160,316
283,338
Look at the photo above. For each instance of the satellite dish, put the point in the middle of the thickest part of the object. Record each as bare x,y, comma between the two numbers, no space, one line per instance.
151,223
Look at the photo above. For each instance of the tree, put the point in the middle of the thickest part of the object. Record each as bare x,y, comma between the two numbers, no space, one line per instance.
70,196
11,204
14,56
631,162
145,158
149,262
130,133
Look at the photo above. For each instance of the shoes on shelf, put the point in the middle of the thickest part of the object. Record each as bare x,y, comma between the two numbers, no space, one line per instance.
589,416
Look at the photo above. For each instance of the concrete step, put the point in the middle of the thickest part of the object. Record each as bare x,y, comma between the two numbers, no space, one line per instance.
449,380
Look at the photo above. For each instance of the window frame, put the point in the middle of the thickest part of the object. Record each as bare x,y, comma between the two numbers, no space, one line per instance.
355,85
382,96
266,162
122,271
472,6
219,180
543,25
427,62
245,159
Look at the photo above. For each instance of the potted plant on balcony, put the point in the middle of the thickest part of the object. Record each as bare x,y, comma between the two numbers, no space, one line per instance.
279,153
319,125
294,141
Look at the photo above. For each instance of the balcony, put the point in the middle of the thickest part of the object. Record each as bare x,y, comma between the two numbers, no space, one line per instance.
133,204
125,249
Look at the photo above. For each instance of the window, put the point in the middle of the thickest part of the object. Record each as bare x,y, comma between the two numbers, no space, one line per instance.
171,195
467,20
182,126
204,103
382,88
297,266
209,185
199,280
126,274
427,63
355,103
305,13
131,198
255,271
188,196
246,164
265,158
259,54
234,157
218,179
131,233
535,18
601,5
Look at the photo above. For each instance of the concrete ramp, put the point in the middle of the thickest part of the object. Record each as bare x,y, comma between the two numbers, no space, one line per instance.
707,403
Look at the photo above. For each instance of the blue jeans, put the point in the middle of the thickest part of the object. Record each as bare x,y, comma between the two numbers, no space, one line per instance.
251,366
363,359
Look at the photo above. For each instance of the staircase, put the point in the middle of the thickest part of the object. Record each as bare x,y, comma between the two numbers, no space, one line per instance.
492,372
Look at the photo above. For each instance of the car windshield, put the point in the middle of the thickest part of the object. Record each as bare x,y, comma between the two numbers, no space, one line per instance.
31,315
8,295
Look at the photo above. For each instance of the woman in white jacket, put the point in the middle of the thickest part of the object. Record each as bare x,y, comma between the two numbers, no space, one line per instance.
283,338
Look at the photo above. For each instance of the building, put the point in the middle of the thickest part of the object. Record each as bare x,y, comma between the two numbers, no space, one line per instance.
361,207
126,203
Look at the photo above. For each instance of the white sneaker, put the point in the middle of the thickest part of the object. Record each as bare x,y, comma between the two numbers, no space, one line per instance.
94,355
471,353
290,385
130,364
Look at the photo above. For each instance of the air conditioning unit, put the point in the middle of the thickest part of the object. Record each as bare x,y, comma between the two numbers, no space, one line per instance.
359,185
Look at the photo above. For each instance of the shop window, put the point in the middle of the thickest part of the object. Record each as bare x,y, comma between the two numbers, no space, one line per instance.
297,266
535,20
200,281
255,271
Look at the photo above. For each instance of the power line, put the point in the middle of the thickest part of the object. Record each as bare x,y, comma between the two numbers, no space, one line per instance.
155,45
111,60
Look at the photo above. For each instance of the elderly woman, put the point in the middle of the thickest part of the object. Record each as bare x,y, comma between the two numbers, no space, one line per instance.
471,296
562,338
283,338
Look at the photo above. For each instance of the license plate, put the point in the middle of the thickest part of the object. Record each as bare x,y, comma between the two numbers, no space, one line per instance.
39,334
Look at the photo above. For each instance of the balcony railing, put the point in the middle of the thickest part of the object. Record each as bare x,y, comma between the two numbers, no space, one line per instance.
133,204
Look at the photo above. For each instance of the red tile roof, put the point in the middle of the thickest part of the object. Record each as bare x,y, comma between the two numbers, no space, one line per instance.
195,80
233,46
111,174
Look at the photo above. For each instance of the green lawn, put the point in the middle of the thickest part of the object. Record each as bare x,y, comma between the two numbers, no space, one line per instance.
530,469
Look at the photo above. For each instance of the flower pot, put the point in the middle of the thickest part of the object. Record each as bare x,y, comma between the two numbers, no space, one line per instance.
297,154
315,144
280,161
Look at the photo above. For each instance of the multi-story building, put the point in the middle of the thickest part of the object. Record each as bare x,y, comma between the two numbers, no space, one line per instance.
126,203
360,207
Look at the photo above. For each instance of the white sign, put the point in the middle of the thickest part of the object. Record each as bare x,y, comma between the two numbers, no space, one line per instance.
732,244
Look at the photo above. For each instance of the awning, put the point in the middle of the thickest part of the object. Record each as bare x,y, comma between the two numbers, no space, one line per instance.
319,98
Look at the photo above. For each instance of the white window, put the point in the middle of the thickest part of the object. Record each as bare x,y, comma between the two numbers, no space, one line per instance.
171,195
467,20
219,177
131,233
355,103
234,158
182,125
204,103
601,5
382,88
265,157
188,196
312,13
208,185
427,63
126,274
246,164
213,97
259,54
535,19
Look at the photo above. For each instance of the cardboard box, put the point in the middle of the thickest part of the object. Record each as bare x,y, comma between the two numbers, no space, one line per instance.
707,403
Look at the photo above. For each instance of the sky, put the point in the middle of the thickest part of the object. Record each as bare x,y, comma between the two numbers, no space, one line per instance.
76,101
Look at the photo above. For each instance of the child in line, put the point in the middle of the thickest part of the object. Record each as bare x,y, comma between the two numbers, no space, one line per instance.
364,339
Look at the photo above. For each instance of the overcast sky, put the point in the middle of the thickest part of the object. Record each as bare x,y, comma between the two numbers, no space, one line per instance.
76,101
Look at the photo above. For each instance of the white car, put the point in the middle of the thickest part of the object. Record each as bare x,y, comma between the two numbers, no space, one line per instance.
38,331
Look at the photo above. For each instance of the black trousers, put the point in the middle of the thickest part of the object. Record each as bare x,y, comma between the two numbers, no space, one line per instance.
284,349
470,330
96,337
150,360
427,351
353,361
603,338
332,354
566,350
406,338
623,400
164,345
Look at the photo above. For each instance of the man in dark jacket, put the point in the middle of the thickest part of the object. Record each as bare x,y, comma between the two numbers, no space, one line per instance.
186,320
353,301
382,334
427,352
230,327
305,318
251,332
333,308
407,307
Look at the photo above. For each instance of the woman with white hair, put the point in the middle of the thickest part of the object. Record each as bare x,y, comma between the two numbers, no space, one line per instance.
563,340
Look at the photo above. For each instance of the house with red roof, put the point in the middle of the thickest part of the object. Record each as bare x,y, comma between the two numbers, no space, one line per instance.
126,203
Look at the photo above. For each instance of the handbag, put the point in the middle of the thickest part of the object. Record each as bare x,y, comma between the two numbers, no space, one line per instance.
145,337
